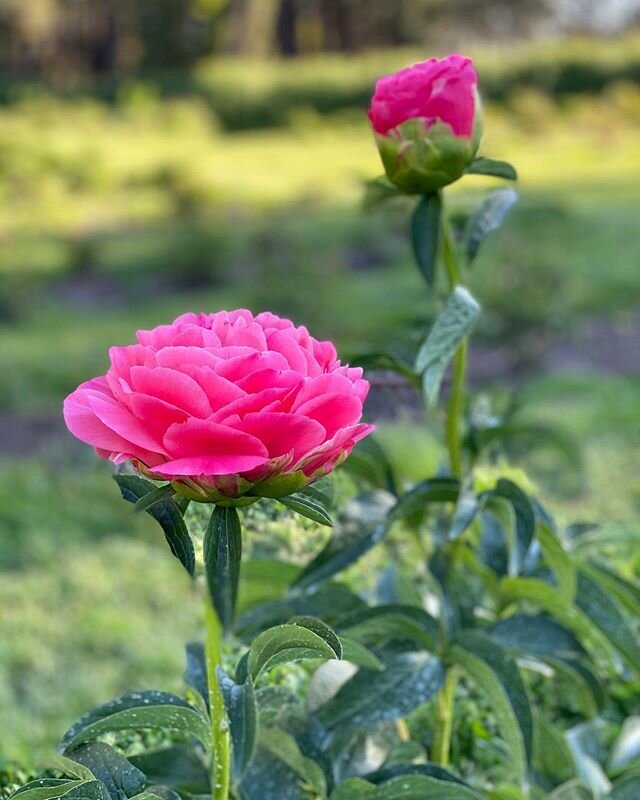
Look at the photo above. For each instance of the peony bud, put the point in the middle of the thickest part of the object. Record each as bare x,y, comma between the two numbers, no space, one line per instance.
428,123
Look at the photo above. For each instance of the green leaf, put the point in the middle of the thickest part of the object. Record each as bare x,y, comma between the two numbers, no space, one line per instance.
398,770
408,680
358,654
444,339
348,543
408,787
69,767
388,622
318,627
573,790
157,495
287,643
622,590
582,682
269,778
307,506
497,674
587,743
195,674
138,711
433,490
552,755
330,603
178,767
626,750
490,166
121,778
167,513
541,637
608,618
533,435
425,234
626,788
549,599
284,747
45,788
535,634
489,217
558,559
242,713
222,550
525,520
378,191
370,463
88,790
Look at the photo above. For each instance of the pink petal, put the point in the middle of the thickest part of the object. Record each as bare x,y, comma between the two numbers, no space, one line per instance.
267,400
326,455
179,357
201,447
173,387
329,383
123,422
156,415
284,433
270,378
283,342
333,411
238,365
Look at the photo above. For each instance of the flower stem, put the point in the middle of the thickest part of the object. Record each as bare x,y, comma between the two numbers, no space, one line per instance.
456,396
441,747
221,756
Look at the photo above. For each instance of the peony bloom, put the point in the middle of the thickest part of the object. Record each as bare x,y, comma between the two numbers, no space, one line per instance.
224,405
427,123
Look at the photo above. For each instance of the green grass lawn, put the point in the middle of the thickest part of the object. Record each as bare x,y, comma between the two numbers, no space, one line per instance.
121,220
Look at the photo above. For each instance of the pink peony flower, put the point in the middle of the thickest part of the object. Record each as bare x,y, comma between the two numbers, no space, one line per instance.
223,405
432,91
428,123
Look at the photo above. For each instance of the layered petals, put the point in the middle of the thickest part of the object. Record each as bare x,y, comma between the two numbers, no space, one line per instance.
218,403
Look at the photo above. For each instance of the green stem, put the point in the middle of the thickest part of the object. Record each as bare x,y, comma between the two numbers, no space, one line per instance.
456,398
221,756
441,748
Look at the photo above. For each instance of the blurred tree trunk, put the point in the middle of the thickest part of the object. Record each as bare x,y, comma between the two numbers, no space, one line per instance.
286,28
253,26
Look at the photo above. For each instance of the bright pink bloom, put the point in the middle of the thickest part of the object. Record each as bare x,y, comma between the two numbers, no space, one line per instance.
221,402
432,90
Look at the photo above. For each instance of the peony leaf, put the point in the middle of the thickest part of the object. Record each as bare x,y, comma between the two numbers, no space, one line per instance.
178,767
307,506
444,339
166,512
406,787
408,680
489,217
490,166
222,549
497,674
242,713
121,778
291,642
425,235
138,711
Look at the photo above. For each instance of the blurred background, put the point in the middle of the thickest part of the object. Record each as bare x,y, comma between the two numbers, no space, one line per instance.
200,154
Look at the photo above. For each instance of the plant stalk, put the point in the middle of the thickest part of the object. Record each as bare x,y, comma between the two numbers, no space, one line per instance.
221,744
441,748
456,397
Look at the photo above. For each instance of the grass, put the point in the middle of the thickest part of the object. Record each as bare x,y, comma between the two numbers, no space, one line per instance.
120,219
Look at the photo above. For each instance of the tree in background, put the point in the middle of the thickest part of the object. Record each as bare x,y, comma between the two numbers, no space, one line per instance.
66,40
